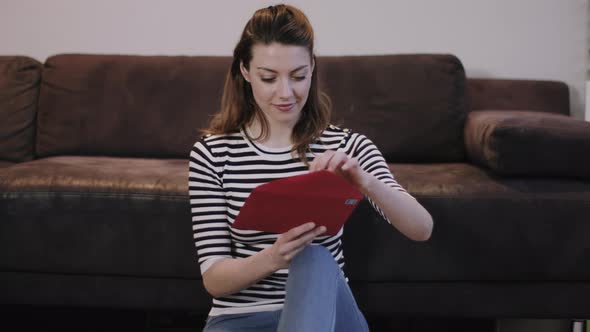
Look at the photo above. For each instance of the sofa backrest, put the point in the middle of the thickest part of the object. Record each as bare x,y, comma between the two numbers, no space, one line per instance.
19,90
411,106
138,106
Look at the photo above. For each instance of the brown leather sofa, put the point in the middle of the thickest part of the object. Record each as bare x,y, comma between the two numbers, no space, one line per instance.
94,209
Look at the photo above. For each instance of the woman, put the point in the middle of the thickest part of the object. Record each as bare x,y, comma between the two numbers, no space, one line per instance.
274,123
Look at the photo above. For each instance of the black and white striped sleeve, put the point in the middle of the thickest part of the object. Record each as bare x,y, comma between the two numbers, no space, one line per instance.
371,161
208,207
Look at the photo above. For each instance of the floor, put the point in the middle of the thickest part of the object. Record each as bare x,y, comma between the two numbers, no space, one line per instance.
25,318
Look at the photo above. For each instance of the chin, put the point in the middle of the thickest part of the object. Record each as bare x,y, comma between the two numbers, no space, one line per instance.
291,117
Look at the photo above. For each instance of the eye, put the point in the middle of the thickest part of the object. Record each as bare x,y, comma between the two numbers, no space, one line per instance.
267,79
299,78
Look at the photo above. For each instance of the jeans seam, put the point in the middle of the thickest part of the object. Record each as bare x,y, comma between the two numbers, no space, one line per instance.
361,323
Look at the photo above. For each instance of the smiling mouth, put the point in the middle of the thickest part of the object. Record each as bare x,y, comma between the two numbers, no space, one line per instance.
284,107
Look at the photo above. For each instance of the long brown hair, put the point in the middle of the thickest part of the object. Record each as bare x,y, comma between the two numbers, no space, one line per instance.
285,25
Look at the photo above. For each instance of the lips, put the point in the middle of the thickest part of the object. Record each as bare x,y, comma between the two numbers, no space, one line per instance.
284,107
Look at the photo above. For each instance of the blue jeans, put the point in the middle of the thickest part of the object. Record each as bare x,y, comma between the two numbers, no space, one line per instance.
318,299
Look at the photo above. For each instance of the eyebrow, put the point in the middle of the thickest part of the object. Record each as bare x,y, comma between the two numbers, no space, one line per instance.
274,71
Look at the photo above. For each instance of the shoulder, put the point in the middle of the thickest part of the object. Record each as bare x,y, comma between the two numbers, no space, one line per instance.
216,141
344,135
332,132
216,146
335,130
331,138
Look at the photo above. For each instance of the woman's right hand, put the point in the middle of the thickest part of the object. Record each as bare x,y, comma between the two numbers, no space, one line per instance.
290,243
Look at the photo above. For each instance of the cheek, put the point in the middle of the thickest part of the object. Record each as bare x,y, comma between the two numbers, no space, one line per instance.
261,92
302,90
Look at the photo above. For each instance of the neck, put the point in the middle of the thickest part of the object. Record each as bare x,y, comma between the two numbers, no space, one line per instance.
278,136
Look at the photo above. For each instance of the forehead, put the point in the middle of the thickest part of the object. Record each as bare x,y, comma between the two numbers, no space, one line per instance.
279,57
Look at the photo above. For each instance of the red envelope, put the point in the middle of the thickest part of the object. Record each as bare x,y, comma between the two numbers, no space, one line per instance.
277,206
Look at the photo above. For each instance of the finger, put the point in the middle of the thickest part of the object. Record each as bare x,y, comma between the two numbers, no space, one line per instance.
302,241
337,161
311,235
296,232
314,164
350,165
323,160
289,247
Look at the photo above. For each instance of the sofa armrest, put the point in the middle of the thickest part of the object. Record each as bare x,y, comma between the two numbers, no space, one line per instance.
517,94
528,143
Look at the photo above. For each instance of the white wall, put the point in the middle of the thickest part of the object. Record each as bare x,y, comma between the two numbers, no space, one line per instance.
530,39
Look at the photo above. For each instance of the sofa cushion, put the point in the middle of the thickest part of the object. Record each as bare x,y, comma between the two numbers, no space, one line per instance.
97,215
487,228
19,90
412,106
131,217
529,143
5,163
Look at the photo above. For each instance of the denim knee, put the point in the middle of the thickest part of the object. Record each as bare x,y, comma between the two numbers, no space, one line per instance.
313,257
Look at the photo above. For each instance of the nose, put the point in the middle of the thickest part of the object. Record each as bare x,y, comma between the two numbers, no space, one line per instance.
285,91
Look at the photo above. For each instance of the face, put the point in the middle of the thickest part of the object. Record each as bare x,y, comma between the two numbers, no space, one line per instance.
280,76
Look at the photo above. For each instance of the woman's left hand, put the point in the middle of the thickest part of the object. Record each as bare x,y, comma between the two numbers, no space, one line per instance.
339,163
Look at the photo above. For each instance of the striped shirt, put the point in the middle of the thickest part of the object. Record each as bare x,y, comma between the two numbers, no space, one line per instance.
224,169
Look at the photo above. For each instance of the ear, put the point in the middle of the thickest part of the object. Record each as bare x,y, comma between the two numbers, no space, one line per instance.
244,72
312,63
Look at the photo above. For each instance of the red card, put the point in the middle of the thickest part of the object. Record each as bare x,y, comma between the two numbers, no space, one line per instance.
277,206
